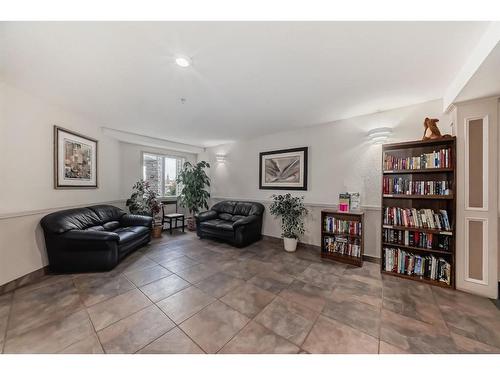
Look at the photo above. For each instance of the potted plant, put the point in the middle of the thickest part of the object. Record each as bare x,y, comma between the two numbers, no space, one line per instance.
144,201
292,212
193,180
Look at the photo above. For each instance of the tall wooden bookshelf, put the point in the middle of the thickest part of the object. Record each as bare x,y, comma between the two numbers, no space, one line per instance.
401,239
347,229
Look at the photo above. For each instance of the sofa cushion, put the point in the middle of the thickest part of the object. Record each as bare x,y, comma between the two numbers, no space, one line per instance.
227,217
217,224
226,207
248,208
75,218
107,213
111,225
128,234
96,228
237,217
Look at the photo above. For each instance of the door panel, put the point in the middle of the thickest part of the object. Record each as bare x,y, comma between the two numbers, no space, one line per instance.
477,196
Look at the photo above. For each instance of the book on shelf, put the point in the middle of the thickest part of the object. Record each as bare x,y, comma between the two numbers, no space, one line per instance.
435,159
402,185
342,246
344,202
417,218
334,225
354,201
416,239
407,263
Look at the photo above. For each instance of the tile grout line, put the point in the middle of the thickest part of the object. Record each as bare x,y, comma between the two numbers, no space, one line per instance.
125,317
84,307
192,338
380,315
236,258
190,316
315,320
163,312
247,323
108,298
11,306
442,316
88,318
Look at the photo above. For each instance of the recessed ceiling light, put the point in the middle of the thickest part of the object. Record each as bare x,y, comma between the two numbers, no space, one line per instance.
183,61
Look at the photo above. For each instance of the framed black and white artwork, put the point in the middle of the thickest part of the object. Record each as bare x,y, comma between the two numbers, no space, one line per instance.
283,169
75,160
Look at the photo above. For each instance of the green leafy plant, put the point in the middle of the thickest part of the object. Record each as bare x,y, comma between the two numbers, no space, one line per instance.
292,213
193,180
144,200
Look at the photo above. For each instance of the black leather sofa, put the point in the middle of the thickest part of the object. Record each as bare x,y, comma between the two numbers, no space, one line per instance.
92,238
238,223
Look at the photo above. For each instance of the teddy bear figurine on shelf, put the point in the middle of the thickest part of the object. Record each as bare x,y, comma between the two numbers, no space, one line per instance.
431,130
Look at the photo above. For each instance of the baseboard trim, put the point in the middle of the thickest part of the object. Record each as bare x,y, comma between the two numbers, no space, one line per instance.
29,278
369,258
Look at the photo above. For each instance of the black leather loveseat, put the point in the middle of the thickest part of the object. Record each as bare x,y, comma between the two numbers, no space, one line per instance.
239,223
92,238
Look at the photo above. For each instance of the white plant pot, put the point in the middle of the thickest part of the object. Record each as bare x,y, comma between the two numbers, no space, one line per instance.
290,244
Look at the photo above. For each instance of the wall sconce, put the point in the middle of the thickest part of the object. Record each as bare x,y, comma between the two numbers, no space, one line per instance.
220,158
379,135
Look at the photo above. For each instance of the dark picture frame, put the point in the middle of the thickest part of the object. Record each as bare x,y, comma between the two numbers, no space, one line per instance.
89,174
289,175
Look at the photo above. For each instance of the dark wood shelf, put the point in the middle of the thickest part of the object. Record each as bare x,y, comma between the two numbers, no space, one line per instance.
334,213
435,203
355,261
417,196
414,248
354,216
424,170
414,229
418,278
334,234
448,141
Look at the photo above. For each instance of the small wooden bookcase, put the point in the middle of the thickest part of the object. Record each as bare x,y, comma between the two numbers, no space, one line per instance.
401,239
350,238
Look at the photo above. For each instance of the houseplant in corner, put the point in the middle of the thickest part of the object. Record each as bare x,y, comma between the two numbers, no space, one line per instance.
144,201
193,182
292,213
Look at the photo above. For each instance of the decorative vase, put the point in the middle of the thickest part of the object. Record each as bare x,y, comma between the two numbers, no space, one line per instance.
157,229
191,224
290,244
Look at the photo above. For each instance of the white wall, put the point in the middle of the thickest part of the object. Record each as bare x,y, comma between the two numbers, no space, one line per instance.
341,158
26,189
131,164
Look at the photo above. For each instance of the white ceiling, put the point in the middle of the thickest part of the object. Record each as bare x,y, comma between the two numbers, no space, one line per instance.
485,81
247,78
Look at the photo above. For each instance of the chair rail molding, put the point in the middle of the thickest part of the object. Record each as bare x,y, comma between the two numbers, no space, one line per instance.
11,215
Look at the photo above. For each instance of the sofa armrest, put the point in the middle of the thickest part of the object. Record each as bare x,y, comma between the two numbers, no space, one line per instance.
246,220
90,235
129,220
207,215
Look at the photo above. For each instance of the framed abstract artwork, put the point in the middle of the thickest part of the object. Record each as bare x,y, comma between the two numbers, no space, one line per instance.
283,169
75,160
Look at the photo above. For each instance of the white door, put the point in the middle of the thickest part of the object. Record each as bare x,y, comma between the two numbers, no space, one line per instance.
477,196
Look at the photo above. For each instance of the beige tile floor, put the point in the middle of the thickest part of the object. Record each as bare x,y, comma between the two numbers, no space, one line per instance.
185,295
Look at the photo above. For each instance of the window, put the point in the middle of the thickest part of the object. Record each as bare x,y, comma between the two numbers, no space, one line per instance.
161,172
